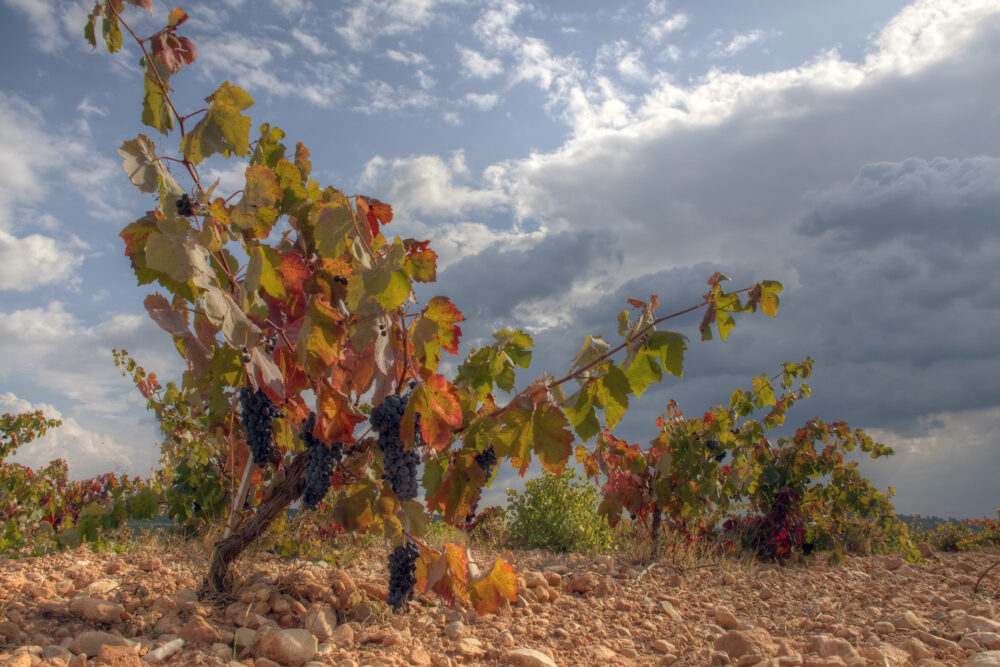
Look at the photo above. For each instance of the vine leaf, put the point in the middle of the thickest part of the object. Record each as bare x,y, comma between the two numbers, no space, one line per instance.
223,129
256,211
173,322
500,584
332,227
436,330
446,575
374,213
173,51
156,111
223,311
143,168
421,261
541,427
436,401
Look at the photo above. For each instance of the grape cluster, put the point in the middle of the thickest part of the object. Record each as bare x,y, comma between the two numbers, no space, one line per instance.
257,412
320,463
340,280
486,460
402,565
400,466
716,448
185,205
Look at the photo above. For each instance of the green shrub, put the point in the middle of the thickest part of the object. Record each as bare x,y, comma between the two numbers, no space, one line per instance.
557,513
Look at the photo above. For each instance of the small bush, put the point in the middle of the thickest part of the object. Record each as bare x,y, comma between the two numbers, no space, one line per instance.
557,513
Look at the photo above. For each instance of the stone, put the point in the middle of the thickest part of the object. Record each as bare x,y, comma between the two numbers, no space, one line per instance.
916,648
907,621
726,619
244,637
582,583
198,631
97,610
976,624
984,659
320,620
19,660
669,610
454,630
528,657
884,627
102,587
925,550
553,578
419,656
533,579
119,656
150,565
738,643
826,646
342,636
161,654
54,651
663,646
291,647
894,563
11,632
89,643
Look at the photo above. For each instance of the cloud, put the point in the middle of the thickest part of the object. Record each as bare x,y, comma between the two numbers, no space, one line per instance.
311,44
89,453
51,352
958,445
35,260
411,58
476,65
660,29
89,109
425,185
481,101
252,63
43,15
384,97
874,208
739,42
368,20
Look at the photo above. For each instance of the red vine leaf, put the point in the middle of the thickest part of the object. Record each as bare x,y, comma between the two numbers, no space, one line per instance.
171,50
375,213
436,401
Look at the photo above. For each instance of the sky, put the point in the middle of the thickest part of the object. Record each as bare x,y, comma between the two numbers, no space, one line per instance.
561,157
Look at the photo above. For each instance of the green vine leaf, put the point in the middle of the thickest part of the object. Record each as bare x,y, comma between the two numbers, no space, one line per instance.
223,129
156,111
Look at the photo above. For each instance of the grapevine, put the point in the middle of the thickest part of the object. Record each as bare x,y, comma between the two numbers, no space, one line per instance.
308,328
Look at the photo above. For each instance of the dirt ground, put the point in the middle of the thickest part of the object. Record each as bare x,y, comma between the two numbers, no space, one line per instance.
141,608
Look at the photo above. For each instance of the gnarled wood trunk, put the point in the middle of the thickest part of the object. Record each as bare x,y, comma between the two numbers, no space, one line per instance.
282,495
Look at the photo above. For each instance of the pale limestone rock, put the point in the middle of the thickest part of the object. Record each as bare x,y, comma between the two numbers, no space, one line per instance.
976,624
97,610
290,647
533,579
342,636
984,659
907,621
320,620
89,643
529,657
454,630
161,654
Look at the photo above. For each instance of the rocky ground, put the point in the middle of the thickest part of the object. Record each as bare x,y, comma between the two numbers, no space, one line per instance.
141,608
